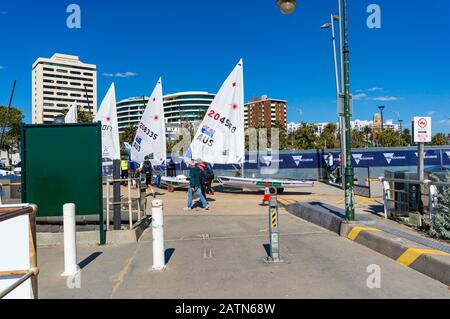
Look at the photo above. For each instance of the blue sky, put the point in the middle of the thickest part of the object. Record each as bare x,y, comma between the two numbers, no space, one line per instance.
194,44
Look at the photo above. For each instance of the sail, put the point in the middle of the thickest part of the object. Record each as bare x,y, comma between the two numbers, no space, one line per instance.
107,115
150,137
71,116
220,137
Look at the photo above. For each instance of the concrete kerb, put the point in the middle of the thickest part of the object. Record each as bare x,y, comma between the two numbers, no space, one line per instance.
113,237
433,263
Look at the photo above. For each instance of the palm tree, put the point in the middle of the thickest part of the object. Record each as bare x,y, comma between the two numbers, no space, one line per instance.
128,134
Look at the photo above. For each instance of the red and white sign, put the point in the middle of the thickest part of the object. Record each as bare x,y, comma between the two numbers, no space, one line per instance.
422,129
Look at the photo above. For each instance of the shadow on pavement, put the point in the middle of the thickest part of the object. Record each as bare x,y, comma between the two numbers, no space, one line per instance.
89,259
168,254
331,209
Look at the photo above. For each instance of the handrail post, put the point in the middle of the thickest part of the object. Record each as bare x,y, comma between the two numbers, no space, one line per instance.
33,252
130,213
107,203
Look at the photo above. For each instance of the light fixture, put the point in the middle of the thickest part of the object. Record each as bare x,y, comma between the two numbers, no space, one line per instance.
325,26
287,6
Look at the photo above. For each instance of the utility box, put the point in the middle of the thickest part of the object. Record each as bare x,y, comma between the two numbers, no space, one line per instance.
61,163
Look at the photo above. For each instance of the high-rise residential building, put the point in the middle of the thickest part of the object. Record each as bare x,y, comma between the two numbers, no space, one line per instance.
58,82
265,112
179,108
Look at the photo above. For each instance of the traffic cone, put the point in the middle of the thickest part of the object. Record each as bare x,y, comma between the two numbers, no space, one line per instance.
266,197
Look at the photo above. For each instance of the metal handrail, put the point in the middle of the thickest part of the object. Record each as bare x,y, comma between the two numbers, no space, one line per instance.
416,182
33,272
432,194
130,200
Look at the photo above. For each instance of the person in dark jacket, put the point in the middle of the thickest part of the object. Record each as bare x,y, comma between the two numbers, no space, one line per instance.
208,179
195,187
171,169
147,169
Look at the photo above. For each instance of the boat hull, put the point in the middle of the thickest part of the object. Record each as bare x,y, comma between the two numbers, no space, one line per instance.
259,184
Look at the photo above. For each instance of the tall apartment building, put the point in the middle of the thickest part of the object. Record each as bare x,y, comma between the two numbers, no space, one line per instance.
265,112
58,82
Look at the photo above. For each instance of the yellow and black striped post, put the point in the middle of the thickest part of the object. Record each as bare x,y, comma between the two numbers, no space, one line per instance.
274,231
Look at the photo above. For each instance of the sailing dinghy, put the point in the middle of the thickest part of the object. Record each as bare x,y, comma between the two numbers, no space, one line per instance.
150,139
220,138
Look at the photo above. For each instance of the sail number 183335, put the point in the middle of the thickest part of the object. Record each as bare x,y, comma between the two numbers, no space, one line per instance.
223,120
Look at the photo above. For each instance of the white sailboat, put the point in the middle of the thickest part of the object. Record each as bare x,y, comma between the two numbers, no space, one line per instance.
150,137
107,115
220,138
72,114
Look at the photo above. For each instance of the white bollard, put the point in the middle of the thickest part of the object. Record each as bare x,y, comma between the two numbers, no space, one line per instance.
159,262
71,267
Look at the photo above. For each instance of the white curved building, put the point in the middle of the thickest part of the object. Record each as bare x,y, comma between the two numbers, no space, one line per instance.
179,108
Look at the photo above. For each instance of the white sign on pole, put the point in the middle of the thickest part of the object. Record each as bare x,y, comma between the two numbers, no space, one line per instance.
422,129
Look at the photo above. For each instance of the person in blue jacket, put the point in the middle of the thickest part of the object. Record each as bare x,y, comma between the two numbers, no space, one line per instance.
195,186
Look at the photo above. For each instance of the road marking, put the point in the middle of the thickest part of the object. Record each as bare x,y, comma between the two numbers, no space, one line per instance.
362,200
283,201
353,234
411,255
208,253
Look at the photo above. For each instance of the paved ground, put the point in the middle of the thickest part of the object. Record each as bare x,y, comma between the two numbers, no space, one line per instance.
368,212
219,254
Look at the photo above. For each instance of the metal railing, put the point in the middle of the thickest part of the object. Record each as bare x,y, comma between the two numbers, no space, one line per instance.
129,202
8,212
400,199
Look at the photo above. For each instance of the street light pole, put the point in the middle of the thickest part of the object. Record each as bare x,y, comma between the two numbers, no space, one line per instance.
349,173
287,6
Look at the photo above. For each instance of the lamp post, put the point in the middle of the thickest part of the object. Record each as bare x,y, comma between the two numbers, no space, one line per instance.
288,6
339,84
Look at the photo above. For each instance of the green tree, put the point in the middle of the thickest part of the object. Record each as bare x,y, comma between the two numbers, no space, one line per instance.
329,138
10,122
440,223
406,136
305,137
439,139
391,138
367,131
128,134
358,139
